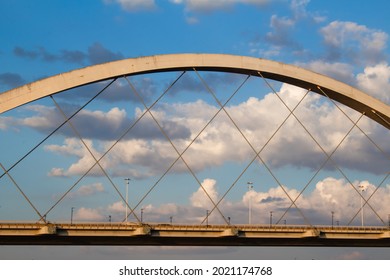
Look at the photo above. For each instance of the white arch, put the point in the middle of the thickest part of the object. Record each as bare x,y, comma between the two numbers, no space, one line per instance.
343,93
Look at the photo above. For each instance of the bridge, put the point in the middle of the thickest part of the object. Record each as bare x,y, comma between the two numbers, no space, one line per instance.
290,222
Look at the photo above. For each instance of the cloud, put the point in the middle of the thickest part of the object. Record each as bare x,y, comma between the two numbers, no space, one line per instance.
95,54
88,214
100,125
88,190
375,80
11,80
281,30
337,70
134,5
356,43
201,199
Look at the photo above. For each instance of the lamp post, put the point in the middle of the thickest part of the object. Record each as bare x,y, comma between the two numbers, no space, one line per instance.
71,215
250,187
362,189
127,180
207,218
389,220
332,218
142,214
270,218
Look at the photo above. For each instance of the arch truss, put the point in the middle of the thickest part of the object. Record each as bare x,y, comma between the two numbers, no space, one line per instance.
335,92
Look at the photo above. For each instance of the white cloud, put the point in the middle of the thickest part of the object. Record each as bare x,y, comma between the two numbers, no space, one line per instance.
88,214
376,81
201,199
340,71
89,190
281,30
5,122
354,42
74,147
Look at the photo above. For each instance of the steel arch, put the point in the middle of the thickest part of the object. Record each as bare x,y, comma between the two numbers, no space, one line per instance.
338,91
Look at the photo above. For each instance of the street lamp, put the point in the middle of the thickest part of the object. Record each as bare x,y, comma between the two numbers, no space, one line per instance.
332,218
389,220
207,218
270,218
71,215
362,189
127,180
142,214
250,187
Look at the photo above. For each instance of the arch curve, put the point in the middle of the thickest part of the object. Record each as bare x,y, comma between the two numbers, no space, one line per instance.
338,91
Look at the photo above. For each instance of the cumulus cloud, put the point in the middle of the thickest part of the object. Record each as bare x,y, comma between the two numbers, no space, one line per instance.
375,80
356,43
99,124
340,71
201,198
89,190
88,214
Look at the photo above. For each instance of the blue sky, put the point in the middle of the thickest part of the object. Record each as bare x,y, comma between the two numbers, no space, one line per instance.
44,38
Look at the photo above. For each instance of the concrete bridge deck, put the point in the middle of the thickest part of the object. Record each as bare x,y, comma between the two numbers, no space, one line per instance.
191,235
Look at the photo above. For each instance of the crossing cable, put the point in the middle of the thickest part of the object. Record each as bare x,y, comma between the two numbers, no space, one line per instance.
264,146
373,142
21,191
248,142
86,146
189,145
361,130
379,116
55,130
109,149
319,145
180,155
320,168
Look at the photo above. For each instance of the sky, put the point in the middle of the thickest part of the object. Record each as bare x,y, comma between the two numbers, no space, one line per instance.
292,177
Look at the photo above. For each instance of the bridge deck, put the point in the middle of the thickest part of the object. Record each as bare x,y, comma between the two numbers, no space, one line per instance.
191,235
